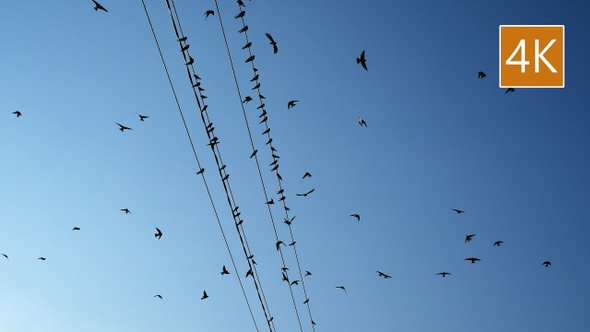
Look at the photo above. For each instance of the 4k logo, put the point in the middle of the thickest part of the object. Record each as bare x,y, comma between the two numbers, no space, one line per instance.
532,56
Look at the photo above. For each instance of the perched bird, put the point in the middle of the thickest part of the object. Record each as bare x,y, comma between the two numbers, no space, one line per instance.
362,60
182,39
248,44
443,274
158,233
253,153
307,273
279,244
241,3
246,100
509,90
469,237
142,117
209,13
126,210
306,175
158,296
381,274
362,122
250,58
76,228
498,243
240,14
292,103
292,243
5,256
270,201
201,171
306,301
307,193
289,221
294,282
342,287
224,271
243,29
357,216
17,113
250,272
98,6
472,259
204,295
481,74
190,60
122,127
43,258
458,211
275,47
546,263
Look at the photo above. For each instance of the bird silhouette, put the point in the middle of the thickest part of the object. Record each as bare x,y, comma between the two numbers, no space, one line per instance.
158,296
243,29
122,127
342,287
241,3
76,228
306,175
247,99
469,237
306,301
240,14
362,122
126,210
458,211
5,256
209,13
509,90
142,117
381,274
362,60
17,113
307,193
292,103
481,74
224,271
182,39
472,259
42,258
292,243
250,58
204,295
248,44
249,272
190,60
278,244
289,221
357,216
98,6
294,282
443,274
307,273
158,233
201,171
546,263
275,47
498,243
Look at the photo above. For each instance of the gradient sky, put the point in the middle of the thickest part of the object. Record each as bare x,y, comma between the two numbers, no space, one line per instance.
437,138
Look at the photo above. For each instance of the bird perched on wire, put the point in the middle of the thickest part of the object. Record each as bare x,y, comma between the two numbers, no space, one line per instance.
240,14
292,103
243,29
158,233
362,60
98,6
275,47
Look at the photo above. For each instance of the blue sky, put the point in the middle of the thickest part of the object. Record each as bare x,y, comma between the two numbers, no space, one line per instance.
437,138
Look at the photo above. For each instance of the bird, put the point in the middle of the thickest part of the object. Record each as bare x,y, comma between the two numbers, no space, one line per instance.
509,90
190,60
292,103
342,287
182,39
122,127
306,175
253,153
126,210
98,6
469,237
294,282
472,259
209,13
243,29
458,211
278,244
362,60
248,44
381,274
241,3
481,74
204,295
362,122
246,100
307,193
546,263
42,258
250,272
307,273
142,117
201,171
224,270
158,296
275,47
306,301
289,221
357,216
292,243
270,201
76,228
17,113
250,58
240,14
443,274
5,256
158,233
498,243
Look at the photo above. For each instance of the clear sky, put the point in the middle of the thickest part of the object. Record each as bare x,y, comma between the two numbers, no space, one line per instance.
437,138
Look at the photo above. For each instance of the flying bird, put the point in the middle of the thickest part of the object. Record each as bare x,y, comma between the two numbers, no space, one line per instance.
204,295
5,256
381,274
357,216
17,113
292,103
362,122
546,263
98,6
458,211
158,233
481,74
472,259
342,287
209,13
294,282
362,60
142,117
279,244
307,273
509,90
307,193
76,228
443,274
43,258
122,127
469,237
224,271
126,210
158,296
306,175
275,47
498,243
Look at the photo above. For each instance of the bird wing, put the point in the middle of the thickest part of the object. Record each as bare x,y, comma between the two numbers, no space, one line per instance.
270,38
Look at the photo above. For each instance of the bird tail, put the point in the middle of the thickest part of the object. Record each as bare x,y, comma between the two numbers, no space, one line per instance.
358,60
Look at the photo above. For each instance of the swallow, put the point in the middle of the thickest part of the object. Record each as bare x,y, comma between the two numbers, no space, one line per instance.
307,193
126,210
458,211
243,29
292,244
158,233
292,103
289,221
546,263
241,3
142,117
204,295
259,95
443,274
342,287
278,244
185,48
42,258
294,282
240,14
209,13
158,296
275,47
307,273
17,113
190,60
306,175
5,256
362,60
381,274
248,44
509,90
261,105
472,259
253,153
122,127
201,171
357,216
270,201
481,74
312,322
266,131
498,243
182,39
285,277
98,6
306,301
256,86
76,228
246,100
250,273
255,78
469,237
362,122
224,271
250,58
